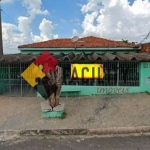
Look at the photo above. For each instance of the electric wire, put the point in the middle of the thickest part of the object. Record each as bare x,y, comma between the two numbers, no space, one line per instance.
145,38
8,16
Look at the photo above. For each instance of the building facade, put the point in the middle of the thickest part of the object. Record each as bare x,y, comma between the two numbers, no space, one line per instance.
126,68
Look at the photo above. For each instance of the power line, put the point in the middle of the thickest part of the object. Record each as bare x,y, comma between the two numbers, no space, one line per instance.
145,38
8,16
142,36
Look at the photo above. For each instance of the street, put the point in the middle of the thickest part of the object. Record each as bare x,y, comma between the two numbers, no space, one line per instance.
78,143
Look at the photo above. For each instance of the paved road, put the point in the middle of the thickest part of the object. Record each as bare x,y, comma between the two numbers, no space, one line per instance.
78,143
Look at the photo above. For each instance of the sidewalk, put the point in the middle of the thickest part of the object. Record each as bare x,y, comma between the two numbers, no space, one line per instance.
98,112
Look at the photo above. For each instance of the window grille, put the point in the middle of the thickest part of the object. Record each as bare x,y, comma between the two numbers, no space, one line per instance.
11,82
116,74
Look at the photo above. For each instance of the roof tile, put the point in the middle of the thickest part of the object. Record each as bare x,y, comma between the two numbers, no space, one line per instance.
79,57
145,47
87,42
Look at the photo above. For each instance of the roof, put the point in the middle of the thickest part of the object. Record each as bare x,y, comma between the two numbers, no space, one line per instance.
88,42
145,47
92,57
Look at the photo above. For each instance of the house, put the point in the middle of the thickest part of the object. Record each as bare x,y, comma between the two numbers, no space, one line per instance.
145,47
126,67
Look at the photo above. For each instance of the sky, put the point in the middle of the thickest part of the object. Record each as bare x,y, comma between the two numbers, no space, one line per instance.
29,21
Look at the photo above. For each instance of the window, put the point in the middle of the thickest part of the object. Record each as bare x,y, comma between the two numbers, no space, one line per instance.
116,74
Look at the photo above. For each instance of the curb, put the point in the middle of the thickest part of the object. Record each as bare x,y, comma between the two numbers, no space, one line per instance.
100,131
119,130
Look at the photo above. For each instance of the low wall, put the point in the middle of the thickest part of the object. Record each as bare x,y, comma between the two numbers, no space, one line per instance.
101,90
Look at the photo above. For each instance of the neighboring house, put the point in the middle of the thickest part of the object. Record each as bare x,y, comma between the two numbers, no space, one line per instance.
126,68
145,47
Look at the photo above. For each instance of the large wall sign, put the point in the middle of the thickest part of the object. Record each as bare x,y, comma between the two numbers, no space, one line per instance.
87,71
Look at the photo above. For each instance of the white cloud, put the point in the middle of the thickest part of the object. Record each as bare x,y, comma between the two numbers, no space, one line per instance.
75,32
24,27
34,7
14,35
116,19
55,36
45,28
11,38
92,5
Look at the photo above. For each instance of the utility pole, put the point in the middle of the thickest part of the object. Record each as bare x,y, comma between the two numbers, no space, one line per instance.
1,39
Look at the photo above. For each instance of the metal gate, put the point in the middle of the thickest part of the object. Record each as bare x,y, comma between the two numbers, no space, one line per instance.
11,82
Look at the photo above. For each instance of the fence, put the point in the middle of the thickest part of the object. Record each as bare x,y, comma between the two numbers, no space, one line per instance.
11,83
116,74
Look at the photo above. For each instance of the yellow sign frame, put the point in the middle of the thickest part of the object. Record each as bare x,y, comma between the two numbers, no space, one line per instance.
87,71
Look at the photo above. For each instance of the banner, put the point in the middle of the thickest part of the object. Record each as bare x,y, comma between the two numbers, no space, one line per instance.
87,71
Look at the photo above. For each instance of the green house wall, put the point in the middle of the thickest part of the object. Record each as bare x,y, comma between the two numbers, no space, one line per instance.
103,90
77,50
98,90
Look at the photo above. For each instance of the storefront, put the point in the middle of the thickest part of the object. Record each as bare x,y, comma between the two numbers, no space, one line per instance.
125,69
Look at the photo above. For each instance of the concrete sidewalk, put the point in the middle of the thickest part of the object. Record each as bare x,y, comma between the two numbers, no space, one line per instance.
97,112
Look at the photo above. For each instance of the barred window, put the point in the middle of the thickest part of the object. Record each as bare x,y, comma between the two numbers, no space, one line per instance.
116,74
